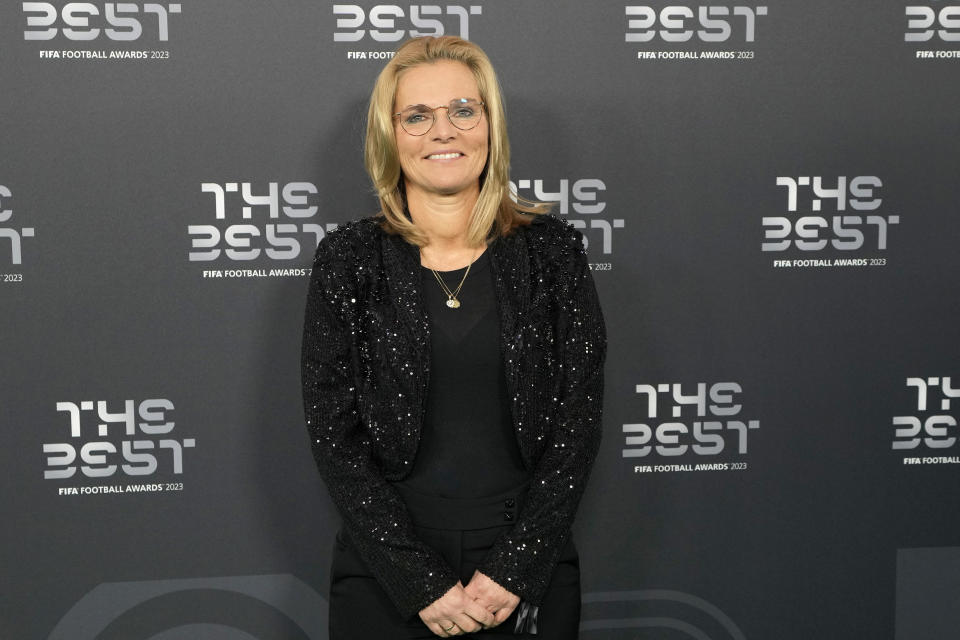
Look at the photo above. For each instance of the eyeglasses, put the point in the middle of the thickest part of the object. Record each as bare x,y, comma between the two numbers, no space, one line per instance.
463,113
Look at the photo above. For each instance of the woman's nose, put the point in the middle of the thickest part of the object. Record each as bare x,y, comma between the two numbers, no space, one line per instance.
442,127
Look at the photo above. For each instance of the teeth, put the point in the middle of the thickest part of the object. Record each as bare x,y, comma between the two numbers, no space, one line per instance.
444,156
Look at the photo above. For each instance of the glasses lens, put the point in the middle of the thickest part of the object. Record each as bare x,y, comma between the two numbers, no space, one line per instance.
416,120
464,113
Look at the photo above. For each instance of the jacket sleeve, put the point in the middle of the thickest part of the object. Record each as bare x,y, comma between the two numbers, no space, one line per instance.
523,559
374,515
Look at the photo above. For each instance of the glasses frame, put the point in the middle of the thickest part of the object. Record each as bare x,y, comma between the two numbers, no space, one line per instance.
433,111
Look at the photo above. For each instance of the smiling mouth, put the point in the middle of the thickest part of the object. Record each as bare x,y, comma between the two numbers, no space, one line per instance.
444,156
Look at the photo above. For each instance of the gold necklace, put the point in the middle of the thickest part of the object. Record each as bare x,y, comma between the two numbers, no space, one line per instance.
452,300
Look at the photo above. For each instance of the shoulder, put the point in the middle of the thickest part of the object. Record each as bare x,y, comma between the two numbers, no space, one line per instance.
349,242
345,256
557,241
352,233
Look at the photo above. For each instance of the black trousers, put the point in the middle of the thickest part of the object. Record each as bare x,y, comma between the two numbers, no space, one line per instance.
360,609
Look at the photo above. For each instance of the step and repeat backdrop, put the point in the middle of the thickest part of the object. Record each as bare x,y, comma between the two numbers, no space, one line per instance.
769,196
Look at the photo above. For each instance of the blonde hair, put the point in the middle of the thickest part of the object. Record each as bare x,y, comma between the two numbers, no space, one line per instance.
495,212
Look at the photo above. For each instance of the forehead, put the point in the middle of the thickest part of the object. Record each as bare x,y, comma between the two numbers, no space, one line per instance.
435,83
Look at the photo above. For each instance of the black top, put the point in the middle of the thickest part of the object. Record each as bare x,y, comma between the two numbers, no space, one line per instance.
468,448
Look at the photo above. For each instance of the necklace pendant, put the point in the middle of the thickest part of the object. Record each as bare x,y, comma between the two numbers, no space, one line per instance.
453,303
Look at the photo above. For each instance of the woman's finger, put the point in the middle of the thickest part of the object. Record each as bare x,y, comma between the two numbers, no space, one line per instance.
465,624
453,630
479,613
503,614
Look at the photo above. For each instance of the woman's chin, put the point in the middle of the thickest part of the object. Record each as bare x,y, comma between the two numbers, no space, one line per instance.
444,188
453,188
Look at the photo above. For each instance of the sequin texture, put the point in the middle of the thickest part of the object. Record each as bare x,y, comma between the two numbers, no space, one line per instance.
366,370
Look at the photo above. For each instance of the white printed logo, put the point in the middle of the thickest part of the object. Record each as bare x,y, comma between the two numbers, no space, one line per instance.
135,441
269,222
714,428
391,23
85,21
931,427
856,223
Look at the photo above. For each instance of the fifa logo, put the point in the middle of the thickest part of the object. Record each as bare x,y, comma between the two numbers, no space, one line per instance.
934,431
814,231
84,21
679,23
925,23
715,426
145,443
388,22
248,239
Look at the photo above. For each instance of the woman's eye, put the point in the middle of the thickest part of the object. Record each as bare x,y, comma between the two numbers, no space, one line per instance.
463,112
414,118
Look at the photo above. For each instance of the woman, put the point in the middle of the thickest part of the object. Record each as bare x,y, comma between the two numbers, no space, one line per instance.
453,357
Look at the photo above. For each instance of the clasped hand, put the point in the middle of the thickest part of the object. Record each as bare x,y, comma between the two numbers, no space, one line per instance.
480,605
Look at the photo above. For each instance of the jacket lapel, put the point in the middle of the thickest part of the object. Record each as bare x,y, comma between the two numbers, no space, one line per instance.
401,261
511,271
511,275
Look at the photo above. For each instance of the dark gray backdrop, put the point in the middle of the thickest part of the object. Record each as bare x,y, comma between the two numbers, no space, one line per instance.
826,419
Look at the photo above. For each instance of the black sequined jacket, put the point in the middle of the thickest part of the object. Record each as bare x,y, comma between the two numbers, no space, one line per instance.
365,371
